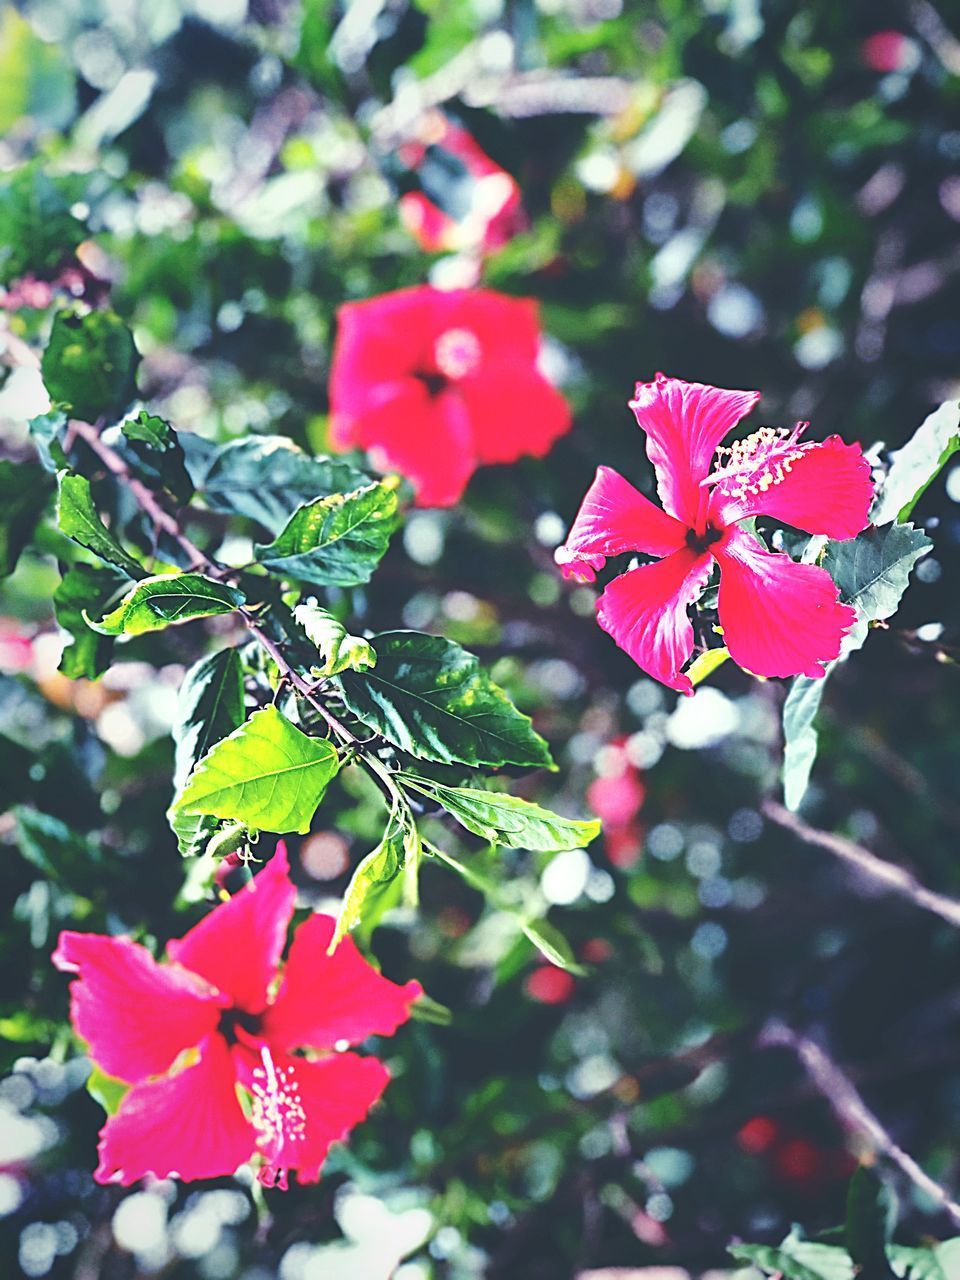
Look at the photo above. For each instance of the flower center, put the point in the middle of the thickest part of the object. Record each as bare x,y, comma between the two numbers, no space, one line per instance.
757,463
457,353
701,542
234,1020
278,1117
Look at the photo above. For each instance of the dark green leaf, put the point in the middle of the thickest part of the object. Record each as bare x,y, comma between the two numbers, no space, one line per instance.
37,229
157,453
60,853
209,707
266,478
336,541
86,589
941,1262
338,650
800,737
507,820
158,602
871,1218
917,464
90,364
267,774
431,698
25,490
873,570
78,519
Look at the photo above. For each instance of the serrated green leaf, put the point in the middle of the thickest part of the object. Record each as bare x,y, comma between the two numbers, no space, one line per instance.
507,820
158,458
266,478
37,229
83,589
167,599
915,466
339,651
209,708
870,1220
267,774
431,698
797,1260
335,541
90,364
77,518
25,490
107,1090
365,894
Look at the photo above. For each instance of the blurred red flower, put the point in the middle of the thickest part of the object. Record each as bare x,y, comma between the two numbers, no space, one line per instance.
435,384
779,617
887,51
188,1033
549,985
467,201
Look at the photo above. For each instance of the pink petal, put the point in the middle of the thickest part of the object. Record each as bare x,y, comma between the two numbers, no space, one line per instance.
613,518
328,998
684,422
135,1015
645,610
238,945
301,1107
380,340
779,618
514,411
818,487
189,1124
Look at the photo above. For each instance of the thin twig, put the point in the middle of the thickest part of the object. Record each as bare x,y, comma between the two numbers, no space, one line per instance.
886,875
851,1110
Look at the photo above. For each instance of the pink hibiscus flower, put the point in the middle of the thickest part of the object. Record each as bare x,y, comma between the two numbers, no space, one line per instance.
188,1033
435,384
779,618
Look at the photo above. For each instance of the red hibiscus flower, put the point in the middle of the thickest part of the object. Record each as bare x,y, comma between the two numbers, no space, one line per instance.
779,618
435,384
186,1034
467,201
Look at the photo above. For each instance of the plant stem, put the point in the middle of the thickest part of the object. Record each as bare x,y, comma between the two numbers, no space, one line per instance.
886,875
851,1110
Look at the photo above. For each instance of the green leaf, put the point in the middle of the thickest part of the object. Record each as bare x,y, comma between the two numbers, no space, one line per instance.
83,589
365,894
107,1090
942,1262
267,774
548,940
915,466
872,572
336,541
339,650
209,708
77,517
870,1221
797,1260
46,432
37,229
25,490
158,602
60,853
90,364
507,820
157,453
266,478
432,699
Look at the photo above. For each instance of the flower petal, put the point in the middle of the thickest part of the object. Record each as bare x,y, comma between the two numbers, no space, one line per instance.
818,487
379,340
514,411
135,1015
238,945
779,618
301,1107
645,610
684,422
327,998
614,517
190,1124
